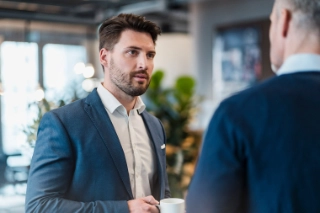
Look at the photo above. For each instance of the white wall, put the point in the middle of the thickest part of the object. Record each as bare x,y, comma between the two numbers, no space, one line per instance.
173,56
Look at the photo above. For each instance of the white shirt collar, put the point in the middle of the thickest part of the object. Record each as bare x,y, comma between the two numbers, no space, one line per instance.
140,106
300,63
111,103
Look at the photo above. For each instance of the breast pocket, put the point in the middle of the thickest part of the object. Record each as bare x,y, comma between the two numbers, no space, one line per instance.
163,149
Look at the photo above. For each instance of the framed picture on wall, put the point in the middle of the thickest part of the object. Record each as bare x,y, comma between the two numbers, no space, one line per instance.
239,54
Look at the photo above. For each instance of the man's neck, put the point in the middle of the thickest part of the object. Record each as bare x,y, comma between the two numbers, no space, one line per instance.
126,100
301,43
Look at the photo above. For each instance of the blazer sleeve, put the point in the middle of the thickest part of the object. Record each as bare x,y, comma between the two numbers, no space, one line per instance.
51,174
217,184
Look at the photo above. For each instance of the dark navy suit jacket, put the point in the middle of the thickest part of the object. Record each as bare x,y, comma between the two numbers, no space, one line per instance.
261,151
79,165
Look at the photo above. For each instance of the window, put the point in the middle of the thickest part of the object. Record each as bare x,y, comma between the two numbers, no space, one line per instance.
20,80
19,75
59,77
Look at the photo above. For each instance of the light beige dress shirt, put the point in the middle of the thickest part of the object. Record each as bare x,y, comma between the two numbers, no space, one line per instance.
135,141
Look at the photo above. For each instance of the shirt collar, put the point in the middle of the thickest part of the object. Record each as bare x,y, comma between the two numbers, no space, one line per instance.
300,63
140,106
111,103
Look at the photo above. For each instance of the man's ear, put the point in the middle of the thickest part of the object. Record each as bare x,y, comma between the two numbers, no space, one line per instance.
285,20
103,56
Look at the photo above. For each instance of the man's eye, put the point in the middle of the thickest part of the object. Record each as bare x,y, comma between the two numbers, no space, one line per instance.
133,52
150,55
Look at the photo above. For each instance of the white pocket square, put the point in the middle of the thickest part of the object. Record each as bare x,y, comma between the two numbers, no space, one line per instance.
163,146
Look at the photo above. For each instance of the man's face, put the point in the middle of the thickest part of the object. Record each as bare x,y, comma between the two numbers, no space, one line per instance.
130,63
276,42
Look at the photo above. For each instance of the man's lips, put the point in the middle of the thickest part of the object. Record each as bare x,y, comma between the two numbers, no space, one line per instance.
141,76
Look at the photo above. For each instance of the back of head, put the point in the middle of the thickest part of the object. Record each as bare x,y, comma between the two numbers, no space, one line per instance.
306,13
111,29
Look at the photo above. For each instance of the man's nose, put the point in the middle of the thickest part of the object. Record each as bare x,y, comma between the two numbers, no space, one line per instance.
142,62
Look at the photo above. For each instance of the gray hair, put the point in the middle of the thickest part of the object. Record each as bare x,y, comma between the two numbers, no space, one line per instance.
307,12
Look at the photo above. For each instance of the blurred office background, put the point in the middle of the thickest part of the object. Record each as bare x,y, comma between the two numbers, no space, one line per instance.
49,57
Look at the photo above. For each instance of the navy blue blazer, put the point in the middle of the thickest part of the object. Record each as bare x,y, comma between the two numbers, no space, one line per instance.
261,151
79,165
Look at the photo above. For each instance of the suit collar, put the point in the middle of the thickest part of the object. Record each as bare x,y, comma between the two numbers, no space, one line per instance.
101,120
112,104
97,113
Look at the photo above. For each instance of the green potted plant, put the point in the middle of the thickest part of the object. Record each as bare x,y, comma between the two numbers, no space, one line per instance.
175,107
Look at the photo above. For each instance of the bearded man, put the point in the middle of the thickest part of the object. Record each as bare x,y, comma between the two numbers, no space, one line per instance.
105,153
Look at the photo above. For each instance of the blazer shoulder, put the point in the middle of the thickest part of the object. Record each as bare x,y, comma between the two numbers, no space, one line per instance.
273,87
255,97
77,106
70,108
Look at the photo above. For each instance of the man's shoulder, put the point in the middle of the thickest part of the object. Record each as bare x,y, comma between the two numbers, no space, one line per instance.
260,96
72,109
275,86
71,106
253,91
79,104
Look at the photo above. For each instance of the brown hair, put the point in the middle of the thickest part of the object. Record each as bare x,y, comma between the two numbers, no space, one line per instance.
111,29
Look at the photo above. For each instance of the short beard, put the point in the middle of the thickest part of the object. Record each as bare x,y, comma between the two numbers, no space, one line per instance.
124,84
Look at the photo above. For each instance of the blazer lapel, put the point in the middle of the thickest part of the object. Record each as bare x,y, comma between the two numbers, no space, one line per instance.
101,120
156,136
